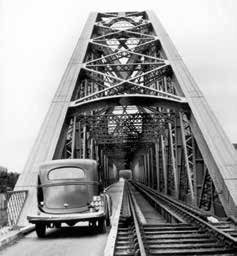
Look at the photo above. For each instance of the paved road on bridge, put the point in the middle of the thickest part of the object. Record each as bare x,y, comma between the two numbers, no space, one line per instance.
66,241
77,240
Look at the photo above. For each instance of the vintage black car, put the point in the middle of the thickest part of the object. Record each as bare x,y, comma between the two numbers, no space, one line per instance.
68,191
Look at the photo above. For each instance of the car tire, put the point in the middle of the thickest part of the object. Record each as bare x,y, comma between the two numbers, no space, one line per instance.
102,226
108,223
40,230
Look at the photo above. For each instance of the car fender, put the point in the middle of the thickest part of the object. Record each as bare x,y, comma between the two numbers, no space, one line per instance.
108,203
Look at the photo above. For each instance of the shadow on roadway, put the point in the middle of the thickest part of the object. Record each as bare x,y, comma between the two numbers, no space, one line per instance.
72,232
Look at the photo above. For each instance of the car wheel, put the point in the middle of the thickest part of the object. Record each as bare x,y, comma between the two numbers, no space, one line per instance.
108,223
101,226
40,230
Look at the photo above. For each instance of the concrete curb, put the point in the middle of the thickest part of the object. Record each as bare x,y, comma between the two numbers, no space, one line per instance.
111,240
13,237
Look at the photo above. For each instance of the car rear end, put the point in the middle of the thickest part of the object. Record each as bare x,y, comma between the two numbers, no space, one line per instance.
68,193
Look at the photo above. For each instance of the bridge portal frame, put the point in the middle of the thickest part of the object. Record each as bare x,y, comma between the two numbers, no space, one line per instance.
216,149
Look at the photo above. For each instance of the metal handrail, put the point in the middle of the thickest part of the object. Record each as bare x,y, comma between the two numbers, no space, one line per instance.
15,203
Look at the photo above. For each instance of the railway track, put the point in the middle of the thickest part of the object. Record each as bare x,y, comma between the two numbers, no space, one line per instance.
187,231
129,238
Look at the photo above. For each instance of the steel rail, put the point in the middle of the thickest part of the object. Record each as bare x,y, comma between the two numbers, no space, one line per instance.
134,238
190,216
198,212
136,224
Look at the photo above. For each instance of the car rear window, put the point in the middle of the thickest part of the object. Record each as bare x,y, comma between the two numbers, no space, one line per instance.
66,173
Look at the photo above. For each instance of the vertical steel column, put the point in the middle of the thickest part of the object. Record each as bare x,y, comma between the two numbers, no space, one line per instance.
148,169
145,169
78,140
84,150
200,173
178,152
101,157
73,136
164,166
105,171
152,168
187,166
173,157
195,189
106,178
96,153
157,165
92,149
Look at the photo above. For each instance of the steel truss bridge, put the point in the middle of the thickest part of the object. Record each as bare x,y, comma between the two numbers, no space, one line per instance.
127,100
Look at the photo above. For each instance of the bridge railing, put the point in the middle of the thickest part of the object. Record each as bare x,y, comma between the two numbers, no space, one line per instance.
15,203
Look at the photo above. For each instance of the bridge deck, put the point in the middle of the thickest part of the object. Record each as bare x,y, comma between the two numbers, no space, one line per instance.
68,240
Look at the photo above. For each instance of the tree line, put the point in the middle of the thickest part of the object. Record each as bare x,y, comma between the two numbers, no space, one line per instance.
7,180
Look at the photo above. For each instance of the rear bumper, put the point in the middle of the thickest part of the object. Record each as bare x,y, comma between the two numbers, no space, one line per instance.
49,218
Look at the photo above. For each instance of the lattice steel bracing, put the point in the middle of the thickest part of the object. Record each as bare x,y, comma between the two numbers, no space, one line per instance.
128,101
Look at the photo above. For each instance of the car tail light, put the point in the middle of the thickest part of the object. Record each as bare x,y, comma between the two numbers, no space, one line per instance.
97,203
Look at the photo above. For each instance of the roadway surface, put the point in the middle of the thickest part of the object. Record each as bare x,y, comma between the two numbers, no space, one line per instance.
78,240
65,241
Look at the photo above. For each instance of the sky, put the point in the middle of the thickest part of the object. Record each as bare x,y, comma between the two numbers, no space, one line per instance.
37,39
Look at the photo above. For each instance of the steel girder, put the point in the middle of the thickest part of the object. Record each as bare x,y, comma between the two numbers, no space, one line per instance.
217,151
127,100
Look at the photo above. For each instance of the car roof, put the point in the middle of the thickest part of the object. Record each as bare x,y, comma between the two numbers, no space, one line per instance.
89,165
66,162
